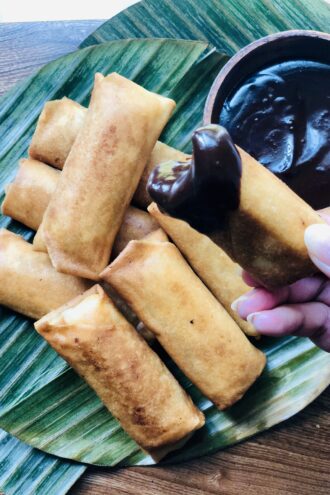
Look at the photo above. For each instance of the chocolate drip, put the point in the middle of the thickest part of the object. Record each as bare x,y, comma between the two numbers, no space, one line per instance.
203,190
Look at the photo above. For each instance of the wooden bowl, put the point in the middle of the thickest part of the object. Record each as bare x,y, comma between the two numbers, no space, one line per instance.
279,47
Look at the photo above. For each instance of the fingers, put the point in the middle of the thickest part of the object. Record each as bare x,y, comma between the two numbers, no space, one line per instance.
324,295
322,340
259,300
317,240
301,318
302,291
304,320
306,289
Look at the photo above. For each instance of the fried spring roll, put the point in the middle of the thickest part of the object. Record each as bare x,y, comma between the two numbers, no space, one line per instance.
191,325
213,266
28,195
28,282
39,241
242,206
158,235
57,128
84,215
130,379
266,233
136,225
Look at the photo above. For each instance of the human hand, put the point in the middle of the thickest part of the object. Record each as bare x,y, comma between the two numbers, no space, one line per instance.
302,308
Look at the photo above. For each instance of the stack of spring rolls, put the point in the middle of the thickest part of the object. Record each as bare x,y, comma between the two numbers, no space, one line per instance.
83,189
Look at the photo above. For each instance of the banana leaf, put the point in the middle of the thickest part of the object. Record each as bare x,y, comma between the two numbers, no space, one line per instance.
43,402
27,471
227,24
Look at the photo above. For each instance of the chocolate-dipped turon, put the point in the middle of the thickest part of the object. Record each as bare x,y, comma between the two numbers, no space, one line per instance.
243,207
206,187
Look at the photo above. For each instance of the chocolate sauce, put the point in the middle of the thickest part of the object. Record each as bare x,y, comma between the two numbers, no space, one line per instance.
204,189
281,116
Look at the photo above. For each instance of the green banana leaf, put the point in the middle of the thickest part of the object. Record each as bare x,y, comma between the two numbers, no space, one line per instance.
27,471
227,24
43,402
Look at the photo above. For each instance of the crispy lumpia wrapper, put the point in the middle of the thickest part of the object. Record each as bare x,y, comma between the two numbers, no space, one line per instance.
84,215
28,282
191,325
213,266
128,313
130,379
161,153
265,235
136,225
27,198
158,235
28,195
57,128
39,243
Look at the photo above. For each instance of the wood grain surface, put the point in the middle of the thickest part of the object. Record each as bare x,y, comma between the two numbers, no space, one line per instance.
26,46
292,458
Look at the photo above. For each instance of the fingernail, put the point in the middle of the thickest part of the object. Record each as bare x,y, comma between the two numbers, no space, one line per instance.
317,240
253,319
235,304
250,318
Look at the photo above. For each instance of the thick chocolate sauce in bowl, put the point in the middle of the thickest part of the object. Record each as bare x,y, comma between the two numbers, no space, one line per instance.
273,97
281,116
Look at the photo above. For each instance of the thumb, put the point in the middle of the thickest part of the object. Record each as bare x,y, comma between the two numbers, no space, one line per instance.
317,240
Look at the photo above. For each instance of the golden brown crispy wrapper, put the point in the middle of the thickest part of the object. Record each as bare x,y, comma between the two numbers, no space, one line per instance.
28,195
213,266
101,174
191,325
265,235
158,235
28,282
136,225
39,243
57,128
130,379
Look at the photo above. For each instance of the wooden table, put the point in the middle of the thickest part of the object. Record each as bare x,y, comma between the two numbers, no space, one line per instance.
292,458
